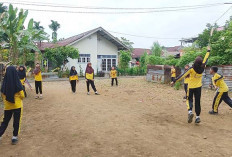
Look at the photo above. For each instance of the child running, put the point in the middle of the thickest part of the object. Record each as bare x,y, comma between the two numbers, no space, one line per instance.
173,73
222,91
22,77
186,80
89,76
194,85
12,94
38,81
113,74
73,78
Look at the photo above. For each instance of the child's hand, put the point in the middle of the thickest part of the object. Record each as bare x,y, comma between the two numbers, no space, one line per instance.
215,87
172,83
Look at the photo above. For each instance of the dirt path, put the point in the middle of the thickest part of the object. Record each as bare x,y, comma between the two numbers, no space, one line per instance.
135,119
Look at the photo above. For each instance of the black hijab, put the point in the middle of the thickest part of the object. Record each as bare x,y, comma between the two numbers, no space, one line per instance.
72,72
198,66
22,73
11,84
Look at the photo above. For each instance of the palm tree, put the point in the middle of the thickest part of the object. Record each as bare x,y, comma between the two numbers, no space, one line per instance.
37,26
54,26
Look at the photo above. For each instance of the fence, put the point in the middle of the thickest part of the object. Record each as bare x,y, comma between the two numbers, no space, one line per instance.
162,74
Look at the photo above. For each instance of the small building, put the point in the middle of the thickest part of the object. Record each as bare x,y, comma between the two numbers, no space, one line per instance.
175,51
96,46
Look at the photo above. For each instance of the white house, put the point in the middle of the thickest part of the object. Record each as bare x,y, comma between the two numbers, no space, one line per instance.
96,46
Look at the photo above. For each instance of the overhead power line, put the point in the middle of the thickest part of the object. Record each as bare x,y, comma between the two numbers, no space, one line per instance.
115,12
223,15
108,8
141,36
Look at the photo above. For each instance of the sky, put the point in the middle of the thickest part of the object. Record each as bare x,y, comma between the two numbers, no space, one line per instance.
160,25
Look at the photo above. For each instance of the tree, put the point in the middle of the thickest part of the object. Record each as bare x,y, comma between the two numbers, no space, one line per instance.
2,8
125,58
37,26
54,26
11,26
156,49
128,43
59,55
143,59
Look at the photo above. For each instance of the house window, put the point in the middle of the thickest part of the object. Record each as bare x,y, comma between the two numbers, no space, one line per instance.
83,58
108,61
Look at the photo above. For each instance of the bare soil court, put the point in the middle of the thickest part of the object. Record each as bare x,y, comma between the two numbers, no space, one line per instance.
136,119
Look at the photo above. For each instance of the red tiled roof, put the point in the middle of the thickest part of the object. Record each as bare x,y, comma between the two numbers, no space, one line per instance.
42,46
173,49
138,52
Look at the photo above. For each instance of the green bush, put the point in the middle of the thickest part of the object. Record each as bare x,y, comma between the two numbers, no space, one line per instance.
177,85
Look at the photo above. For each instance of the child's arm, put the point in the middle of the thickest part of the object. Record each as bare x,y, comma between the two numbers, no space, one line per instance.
21,93
186,73
221,77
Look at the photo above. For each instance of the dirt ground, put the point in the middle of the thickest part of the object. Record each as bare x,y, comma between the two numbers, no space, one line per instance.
136,119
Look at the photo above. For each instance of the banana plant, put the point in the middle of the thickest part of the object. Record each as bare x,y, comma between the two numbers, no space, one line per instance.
12,22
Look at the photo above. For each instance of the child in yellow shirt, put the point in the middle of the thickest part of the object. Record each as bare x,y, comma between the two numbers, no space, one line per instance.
38,81
222,91
73,78
12,94
22,77
113,75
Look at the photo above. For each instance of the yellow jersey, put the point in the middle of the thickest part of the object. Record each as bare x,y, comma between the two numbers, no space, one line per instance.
113,74
18,101
218,80
186,80
74,77
89,76
23,81
195,79
173,72
38,77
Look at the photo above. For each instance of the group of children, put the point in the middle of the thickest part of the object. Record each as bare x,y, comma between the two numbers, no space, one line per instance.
89,76
193,86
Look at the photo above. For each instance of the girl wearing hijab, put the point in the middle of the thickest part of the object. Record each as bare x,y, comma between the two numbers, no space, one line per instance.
38,81
12,94
73,78
194,85
89,76
22,77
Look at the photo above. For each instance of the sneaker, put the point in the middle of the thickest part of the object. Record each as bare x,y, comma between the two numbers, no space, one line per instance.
198,120
88,93
14,140
41,96
96,93
190,117
36,97
213,113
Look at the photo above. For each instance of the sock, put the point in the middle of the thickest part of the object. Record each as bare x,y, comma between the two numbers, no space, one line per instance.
14,137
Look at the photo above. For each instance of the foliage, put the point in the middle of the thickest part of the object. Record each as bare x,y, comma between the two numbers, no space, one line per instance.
4,54
2,8
143,59
81,71
155,60
128,43
54,26
177,85
134,71
156,49
125,57
63,74
59,55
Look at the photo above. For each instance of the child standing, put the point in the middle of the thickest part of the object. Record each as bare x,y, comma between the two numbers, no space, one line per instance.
222,91
113,74
194,86
173,73
22,77
12,94
38,81
186,80
89,76
73,78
